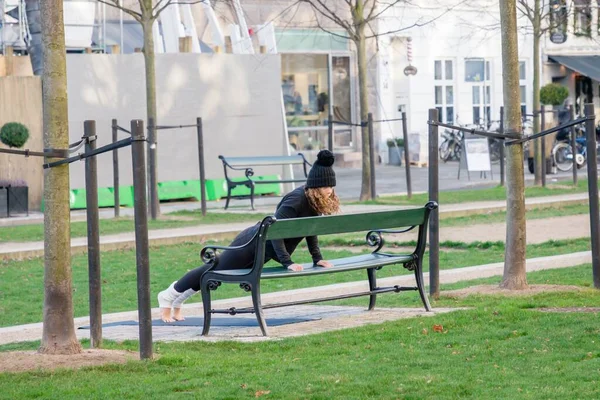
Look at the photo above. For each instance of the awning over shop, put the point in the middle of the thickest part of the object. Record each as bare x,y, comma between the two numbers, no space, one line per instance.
585,65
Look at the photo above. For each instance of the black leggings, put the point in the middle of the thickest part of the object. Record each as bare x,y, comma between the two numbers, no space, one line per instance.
229,259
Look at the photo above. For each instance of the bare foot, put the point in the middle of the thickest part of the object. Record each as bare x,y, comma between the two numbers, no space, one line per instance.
178,315
165,315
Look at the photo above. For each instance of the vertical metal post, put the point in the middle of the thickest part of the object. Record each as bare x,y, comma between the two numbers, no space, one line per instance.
574,145
592,168
330,133
371,155
502,147
115,155
141,238
434,219
93,236
406,156
201,166
543,139
152,184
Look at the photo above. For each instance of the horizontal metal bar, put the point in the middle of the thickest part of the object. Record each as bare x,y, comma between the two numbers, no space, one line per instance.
123,129
103,149
250,310
349,123
493,135
27,153
389,120
173,126
548,131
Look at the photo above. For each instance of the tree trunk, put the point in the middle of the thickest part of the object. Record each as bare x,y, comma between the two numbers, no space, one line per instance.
58,329
537,143
514,257
150,69
361,54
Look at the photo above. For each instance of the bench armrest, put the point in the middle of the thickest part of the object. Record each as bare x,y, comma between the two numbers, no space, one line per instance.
209,254
374,238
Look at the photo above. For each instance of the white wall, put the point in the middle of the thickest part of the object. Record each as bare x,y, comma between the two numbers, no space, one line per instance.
237,96
451,32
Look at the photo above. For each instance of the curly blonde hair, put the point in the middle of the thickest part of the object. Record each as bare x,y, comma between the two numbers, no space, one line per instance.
321,204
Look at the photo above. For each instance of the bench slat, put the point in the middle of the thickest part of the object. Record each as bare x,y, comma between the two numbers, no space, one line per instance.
263,161
333,224
341,264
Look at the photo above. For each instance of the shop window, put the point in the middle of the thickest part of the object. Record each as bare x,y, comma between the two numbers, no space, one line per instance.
582,18
558,17
523,87
305,87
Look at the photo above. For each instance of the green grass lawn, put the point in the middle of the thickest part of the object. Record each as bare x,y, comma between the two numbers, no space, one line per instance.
169,263
180,219
499,348
487,194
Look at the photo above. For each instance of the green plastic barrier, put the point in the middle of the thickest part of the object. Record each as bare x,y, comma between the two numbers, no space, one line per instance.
217,188
106,198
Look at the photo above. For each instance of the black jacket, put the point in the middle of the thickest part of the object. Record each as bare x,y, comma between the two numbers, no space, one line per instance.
293,205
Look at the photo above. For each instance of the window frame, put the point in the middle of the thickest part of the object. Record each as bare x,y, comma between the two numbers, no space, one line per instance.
445,83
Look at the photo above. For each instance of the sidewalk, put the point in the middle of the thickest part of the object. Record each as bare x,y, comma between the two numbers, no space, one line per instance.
538,230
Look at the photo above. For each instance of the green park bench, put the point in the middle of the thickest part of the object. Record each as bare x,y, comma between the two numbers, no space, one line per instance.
247,164
374,223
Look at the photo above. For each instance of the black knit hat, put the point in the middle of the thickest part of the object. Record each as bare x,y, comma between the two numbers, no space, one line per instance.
321,174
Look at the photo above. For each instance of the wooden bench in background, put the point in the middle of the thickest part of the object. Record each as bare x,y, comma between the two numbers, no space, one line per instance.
374,223
247,164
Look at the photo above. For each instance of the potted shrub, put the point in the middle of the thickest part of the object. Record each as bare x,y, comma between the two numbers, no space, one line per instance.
395,150
14,197
14,134
553,94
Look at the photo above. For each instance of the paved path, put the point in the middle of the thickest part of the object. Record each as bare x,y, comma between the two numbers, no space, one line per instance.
538,230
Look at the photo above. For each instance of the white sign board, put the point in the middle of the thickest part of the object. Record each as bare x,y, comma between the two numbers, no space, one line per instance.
476,154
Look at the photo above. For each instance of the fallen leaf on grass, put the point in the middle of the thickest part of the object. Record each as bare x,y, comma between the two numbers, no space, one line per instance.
244,386
261,393
438,328
424,331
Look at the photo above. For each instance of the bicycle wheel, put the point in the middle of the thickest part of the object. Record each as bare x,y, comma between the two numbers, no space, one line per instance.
562,153
444,150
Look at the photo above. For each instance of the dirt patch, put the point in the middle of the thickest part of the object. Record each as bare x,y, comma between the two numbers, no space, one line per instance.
495,289
21,361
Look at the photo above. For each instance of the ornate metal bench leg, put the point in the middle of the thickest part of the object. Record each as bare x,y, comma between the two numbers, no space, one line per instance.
371,273
228,196
206,306
420,285
260,317
252,195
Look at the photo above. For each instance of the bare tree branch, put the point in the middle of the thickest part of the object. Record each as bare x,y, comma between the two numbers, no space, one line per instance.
115,4
331,15
352,35
525,9
161,9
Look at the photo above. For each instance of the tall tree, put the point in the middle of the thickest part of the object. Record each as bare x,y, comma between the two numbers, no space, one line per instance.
354,17
514,276
149,11
59,329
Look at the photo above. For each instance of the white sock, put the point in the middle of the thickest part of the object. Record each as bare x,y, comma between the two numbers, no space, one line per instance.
168,296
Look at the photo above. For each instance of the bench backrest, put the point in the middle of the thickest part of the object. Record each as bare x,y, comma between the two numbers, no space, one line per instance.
263,161
334,224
